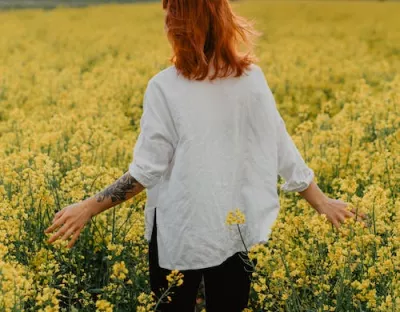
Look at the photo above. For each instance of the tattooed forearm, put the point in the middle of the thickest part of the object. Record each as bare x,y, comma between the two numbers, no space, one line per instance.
120,189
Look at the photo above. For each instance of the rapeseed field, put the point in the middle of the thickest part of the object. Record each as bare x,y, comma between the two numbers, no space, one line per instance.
71,90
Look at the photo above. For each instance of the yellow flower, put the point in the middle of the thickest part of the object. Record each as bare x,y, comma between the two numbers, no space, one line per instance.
104,306
235,217
175,278
119,271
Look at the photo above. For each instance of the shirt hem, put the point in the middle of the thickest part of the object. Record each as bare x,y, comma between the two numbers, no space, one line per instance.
212,264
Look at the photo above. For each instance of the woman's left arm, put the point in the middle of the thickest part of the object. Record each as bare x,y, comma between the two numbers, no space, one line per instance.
73,218
300,177
335,209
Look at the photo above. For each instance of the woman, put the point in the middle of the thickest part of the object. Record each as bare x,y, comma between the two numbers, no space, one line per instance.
211,140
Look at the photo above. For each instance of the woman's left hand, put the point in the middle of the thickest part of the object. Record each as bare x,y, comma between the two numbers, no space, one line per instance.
72,220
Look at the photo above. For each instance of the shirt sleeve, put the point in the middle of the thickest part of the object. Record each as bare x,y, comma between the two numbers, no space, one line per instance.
291,165
157,139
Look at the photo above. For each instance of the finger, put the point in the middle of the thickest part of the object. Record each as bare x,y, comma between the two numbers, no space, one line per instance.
358,219
341,218
55,225
74,238
335,223
51,228
68,233
58,215
349,214
60,232
359,213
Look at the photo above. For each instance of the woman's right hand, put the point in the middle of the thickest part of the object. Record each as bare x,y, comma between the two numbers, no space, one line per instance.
72,220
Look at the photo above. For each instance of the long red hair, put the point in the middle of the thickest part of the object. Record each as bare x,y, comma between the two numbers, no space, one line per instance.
207,33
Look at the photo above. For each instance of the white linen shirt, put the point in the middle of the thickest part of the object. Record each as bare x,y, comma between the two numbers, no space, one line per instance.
206,148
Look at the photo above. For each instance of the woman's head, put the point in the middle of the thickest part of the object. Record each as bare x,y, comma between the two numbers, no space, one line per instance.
206,34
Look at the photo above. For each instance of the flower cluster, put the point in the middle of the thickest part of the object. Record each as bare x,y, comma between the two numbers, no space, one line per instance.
104,306
119,271
235,217
175,278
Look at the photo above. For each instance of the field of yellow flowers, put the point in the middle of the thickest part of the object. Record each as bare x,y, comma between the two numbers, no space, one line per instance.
71,90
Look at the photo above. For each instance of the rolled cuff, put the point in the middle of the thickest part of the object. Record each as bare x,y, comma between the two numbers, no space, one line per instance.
141,176
299,181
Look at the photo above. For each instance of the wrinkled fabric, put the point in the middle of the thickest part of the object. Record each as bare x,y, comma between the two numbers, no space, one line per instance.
204,149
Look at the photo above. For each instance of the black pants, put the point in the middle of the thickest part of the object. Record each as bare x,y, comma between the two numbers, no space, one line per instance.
227,285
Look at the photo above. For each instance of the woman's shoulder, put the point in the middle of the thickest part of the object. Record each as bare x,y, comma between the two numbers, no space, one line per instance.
256,68
165,74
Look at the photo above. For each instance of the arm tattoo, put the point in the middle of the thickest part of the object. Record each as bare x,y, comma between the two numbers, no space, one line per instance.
118,190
